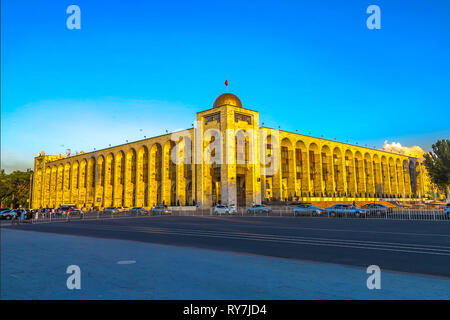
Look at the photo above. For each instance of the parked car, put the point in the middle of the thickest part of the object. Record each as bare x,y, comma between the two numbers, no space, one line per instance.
259,208
306,209
376,208
10,214
447,210
111,210
232,209
138,210
345,210
64,208
221,209
160,209
7,214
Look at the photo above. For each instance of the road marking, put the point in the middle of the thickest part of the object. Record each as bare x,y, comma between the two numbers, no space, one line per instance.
340,230
344,243
316,241
351,241
126,262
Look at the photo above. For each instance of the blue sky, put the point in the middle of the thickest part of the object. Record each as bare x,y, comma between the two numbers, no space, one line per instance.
142,67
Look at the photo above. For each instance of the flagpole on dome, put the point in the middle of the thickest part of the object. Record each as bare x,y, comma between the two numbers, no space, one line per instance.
226,84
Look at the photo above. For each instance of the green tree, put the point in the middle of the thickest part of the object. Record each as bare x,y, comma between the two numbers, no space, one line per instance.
15,188
437,163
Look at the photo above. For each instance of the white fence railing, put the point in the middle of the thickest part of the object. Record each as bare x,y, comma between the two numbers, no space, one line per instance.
282,211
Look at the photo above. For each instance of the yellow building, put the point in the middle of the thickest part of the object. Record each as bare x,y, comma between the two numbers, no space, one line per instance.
226,158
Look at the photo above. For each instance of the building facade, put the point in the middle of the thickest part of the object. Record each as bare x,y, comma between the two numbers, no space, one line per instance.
227,158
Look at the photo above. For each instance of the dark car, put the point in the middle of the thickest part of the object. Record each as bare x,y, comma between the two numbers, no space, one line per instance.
341,210
64,208
160,209
138,210
111,210
376,208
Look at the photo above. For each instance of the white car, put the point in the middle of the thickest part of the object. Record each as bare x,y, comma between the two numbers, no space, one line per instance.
232,209
221,209
306,209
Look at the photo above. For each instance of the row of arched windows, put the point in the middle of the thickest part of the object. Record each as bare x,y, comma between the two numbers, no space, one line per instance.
124,178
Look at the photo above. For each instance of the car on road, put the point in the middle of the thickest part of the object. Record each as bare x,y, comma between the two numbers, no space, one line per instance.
7,214
306,209
259,208
64,208
447,210
232,209
138,210
111,210
15,213
341,210
160,209
222,209
376,208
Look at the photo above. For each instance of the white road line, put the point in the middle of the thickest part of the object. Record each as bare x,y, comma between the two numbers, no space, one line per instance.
298,242
346,230
351,241
306,241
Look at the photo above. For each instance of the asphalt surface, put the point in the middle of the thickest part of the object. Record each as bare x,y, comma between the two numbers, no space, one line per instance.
419,247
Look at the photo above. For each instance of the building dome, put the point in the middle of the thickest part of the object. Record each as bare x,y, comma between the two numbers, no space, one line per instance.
227,99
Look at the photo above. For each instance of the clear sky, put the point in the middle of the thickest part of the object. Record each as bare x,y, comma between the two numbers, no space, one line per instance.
139,68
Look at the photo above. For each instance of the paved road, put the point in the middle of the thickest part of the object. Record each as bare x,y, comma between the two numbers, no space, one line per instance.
408,246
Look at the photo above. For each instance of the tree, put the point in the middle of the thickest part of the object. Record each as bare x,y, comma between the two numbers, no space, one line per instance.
437,163
15,188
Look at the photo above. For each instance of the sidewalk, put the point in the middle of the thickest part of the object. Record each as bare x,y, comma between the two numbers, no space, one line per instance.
33,266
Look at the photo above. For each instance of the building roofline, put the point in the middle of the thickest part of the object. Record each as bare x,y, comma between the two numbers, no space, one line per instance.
119,145
227,105
348,144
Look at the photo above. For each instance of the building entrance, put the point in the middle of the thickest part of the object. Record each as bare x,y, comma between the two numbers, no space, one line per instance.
240,190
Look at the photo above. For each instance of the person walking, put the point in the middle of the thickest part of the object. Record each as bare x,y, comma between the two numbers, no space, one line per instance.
22,216
14,218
